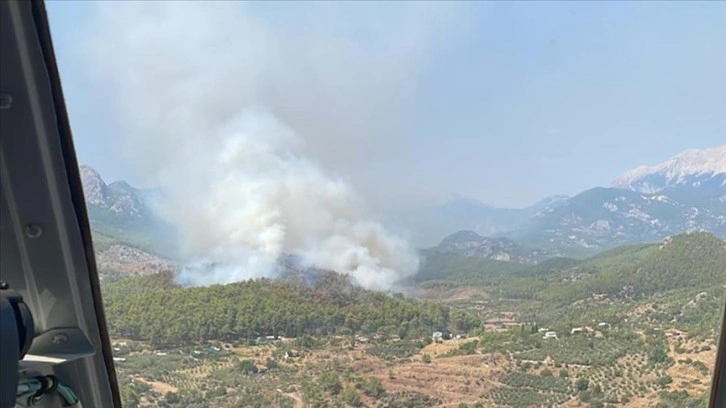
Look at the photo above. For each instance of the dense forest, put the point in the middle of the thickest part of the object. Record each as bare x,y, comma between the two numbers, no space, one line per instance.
153,308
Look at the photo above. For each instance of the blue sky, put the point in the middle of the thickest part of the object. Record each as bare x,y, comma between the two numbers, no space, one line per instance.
508,102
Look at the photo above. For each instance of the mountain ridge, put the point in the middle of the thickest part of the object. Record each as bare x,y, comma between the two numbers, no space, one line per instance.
122,214
694,166
685,193
469,243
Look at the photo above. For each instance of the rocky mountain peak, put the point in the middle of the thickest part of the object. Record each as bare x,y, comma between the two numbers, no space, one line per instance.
94,188
694,167
118,197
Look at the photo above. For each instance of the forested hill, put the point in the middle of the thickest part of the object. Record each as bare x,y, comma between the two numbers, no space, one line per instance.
153,308
696,260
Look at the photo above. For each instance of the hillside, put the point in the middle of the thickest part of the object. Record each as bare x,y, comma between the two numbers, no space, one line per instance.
696,260
602,218
155,309
469,243
634,326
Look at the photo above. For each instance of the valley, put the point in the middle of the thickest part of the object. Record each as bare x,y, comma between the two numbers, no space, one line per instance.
491,341
611,298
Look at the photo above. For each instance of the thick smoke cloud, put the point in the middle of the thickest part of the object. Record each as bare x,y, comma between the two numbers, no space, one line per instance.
240,123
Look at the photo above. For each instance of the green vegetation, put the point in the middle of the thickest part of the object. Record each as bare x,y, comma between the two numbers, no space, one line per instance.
691,261
625,301
409,399
680,399
154,309
462,270
536,382
517,397
144,232
582,350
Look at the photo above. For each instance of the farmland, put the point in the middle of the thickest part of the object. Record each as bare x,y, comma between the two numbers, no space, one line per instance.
389,372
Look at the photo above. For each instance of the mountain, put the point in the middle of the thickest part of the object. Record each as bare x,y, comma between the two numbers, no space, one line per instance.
117,198
428,224
469,243
123,215
699,169
685,193
602,218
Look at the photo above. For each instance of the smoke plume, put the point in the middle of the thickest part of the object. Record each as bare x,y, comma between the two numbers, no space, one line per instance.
240,122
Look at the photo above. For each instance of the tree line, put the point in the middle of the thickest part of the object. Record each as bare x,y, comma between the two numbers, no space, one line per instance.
154,309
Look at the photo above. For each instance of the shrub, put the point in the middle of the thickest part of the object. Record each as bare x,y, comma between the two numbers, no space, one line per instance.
329,382
351,397
664,381
372,387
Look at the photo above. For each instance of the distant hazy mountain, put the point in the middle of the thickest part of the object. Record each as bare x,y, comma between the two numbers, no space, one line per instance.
683,194
429,224
698,169
469,243
121,214
604,217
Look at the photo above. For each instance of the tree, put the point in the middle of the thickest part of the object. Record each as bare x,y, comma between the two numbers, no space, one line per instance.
658,355
582,384
171,398
664,381
426,358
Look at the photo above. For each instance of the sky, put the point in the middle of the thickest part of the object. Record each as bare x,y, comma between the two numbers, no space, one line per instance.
499,101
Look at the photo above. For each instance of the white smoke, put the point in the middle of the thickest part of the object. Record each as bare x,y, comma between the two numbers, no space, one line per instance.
230,117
